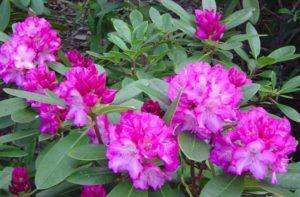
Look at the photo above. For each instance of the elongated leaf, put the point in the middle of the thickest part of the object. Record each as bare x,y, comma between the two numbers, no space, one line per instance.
107,109
11,151
185,27
223,186
63,188
253,42
177,9
18,135
117,41
231,45
6,122
230,6
88,152
126,189
290,85
242,54
122,28
209,5
168,117
92,176
9,106
276,190
5,14
5,175
194,148
238,18
56,166
38,6
291,179
264,61
34,96
254,4
59,67
156,18
23,116
284,54
3,37
136,18
249,91
139,32
154,94
289,112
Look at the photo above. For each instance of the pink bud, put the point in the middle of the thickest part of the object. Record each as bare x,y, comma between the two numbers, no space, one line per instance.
93,191
19,181
152,107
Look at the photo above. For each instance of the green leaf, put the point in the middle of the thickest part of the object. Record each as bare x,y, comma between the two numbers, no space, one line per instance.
230,45
3,37
193,148
117,41
209,5
56,166
23,116
291,179
126,189
38,6
253,42
154,94
224,186
122,28
59,67
136,18
276,190
34,96
18,135
62,189
230,6
167,25
237,18
289,112
92,176
88,152
168,117
11,151
140,30
5,175
242,54
9,106
177,9
255,5
284,54
5,14
156,18
249,91
107,109
264,61
242,37
290,85
185,27
6,122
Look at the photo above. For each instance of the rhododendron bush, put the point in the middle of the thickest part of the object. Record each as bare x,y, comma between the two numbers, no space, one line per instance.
165,110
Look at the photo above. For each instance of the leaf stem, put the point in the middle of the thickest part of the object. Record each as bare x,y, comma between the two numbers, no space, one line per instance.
96,128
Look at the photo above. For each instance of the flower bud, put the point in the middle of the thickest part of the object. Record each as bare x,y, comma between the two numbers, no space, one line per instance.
93,191
19,181
152,107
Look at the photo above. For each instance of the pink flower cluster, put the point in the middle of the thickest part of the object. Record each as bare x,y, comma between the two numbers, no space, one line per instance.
33,44
210,98
93,191
19,181
137,144
209,26
258,144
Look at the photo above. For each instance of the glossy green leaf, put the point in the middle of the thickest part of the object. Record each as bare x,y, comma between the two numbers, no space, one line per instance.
237,18
122,28
254,4
172,109
34,96
254,42
11,152
23,116
249,91
209,5
290,85
9,106
289,112
136,18
225,185
18,135
126,189
88,152
5,14
56,166
193,148
92,176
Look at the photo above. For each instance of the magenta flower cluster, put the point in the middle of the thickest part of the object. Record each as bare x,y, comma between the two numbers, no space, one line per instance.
93,191
20,183
209,26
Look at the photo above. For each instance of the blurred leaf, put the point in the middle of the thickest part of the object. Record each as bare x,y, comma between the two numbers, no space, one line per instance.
59,67
193,148
276,190
61,189
238,18
56,166
88,152
92,176
289,112
284,54
264,61
255,5
290,85
253,42
122,28
242,54
140,30
230,6
107,109
177,9
38,6
291,179
5,14
167,25
229,46
225,185
168,117
5,175
3,37
9,106
117,41
34,96
185,27
18,135
11,151
23,116
136,18
6,122
209,5
126,189
156,17
137,104
154,94
242,37
249,91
